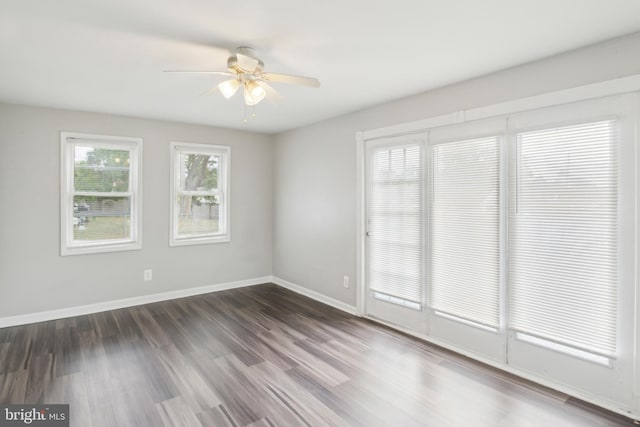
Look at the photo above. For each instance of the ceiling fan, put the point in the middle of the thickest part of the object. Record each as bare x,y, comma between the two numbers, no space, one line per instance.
247,71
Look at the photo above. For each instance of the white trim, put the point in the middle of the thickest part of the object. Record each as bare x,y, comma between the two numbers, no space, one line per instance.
636,243
414,127
315,295
361,207
223,192
579,93
43,316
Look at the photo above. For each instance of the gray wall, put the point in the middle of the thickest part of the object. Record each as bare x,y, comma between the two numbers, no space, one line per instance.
314,241
33,275
298,186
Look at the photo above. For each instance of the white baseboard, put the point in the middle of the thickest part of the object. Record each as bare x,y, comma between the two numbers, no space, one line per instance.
43,316
315,295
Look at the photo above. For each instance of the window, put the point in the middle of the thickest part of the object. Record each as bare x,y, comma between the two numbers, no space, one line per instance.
395,225
563,237
199,193
464,230
531,241
100,193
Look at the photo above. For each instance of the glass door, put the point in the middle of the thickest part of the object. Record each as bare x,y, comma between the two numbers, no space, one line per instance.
395,230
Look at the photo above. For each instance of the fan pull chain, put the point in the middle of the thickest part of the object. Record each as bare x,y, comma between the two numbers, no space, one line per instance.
253,112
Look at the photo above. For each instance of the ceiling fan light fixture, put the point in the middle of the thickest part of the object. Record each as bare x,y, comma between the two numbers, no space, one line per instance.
228,88
253,93
246,70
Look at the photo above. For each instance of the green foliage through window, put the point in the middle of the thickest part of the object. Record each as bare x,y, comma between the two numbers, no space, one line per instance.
101,170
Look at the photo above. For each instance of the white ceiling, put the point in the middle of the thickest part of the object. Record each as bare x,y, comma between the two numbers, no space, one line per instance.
108,55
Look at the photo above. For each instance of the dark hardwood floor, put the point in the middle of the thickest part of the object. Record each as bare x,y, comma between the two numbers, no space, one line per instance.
263,356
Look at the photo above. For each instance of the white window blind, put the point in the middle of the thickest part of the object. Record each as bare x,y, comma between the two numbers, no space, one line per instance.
464,226
562,236
100,193
395,222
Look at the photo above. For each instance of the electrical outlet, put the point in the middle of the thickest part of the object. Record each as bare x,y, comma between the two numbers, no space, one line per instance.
147,275
345,282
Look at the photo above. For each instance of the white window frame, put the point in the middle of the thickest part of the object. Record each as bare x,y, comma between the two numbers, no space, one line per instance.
67,143
224,233
481,339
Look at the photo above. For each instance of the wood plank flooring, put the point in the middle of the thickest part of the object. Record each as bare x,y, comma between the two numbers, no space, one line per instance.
263,356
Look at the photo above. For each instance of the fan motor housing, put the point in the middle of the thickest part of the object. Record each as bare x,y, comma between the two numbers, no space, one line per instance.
233,66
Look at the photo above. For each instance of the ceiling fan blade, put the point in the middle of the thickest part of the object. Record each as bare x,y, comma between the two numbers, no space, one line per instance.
220,73
294,80
271,94
247,63
210,91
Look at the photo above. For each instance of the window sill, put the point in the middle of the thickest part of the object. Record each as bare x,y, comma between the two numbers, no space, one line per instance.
187,241
100,248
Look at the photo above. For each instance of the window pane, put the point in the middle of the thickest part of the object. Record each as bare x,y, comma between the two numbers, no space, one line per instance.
395,223
563,236
464,227
198,172
198,215
101,218
101,169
